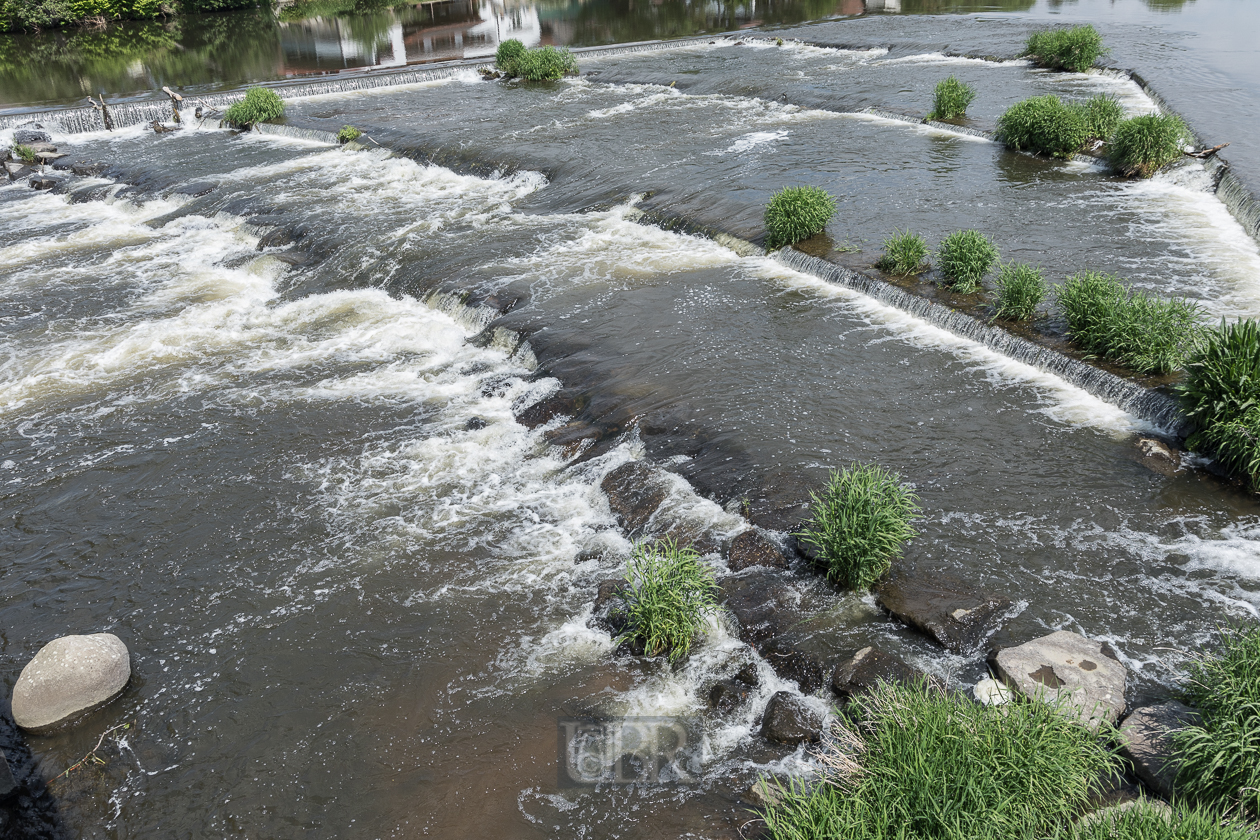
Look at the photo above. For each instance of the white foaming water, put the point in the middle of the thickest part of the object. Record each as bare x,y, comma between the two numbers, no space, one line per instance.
918,128
941,58
751,141
1067,403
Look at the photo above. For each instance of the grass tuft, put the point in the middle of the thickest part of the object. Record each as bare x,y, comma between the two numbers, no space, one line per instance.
913,761
1220,760
796,213
507,56
1103,115
1020,287
1074,49
1146,821
545,64
1045,125
1143,145
964,257
1221,395
951,99
24,152
259,105
348,134
671,593
859,524
905,253
1145,333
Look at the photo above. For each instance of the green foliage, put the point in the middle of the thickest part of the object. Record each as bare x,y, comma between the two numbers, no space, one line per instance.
918,763
796,213
1044,124
671,593
24,152
1020,287
964,257
25,14
951,99
1147,822
1074,49
1221,394
259,105
1220,759
1146,333
859,523
905,253
508,55
546,64
1142,145
348,134
1102,113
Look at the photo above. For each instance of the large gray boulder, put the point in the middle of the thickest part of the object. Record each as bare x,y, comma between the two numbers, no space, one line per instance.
69,676
1145,741
1081,676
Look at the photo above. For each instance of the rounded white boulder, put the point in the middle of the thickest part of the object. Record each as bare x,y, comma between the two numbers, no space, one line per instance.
68,676
990,692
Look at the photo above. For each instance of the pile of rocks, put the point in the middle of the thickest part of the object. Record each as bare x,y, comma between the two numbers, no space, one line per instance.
35,139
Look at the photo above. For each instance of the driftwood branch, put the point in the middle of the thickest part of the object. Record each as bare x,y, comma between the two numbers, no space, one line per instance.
92,757
1206,153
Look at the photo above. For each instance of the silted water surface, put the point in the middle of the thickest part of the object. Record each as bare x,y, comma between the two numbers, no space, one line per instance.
357,591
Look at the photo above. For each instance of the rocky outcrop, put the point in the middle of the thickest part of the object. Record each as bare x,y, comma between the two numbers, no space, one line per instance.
1158,456
868,667
70,676
1080,676
753,548
635,490
560,404
956,615
29,136
1145,740
789,720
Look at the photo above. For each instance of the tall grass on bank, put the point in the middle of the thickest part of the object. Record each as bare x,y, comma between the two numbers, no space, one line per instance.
545,64
671,593
913,761
1075,49
1141,146
1020,288
259,105
1221,395
964,257
1050,126
859,524
796,213
905,253
951,98
1146,821
1220,759
1145,333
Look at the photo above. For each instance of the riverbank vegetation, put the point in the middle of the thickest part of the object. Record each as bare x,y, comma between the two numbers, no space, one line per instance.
964,257
796,213
672,593
1144,332
1147,820
1019,289
1141,146
905,253
859,523
544,64
259,105
950,99
1221,395
42,14
1075,49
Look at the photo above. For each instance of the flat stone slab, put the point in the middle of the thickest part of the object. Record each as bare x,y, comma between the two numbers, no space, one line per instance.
866,668
955,614
1080,675
1145,739
69,676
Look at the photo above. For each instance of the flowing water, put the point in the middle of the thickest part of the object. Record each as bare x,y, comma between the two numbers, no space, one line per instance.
357,590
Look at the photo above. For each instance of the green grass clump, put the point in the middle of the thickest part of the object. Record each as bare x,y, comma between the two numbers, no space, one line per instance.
1074,49
545,64
1146,333
1220,759
859,523
507,56
671,593
1020,287
796,213
964,257
348,134
259,105
905,253
1142,145
1102,113
951,99
1044,124
24,152
912,762
1221,395
1148,822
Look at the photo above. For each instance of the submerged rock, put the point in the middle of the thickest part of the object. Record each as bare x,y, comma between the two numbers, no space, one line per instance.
759,603
1158,456
958,616
635,490
1081,676
1145,740
69,676
752,548
789,720
728,695
560,404
869,666
605,613
42,182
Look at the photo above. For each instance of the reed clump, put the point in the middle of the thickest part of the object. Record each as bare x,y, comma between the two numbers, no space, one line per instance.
671,594
1075,49
859,523
915,761
1141,146
543,64
964,257
1221,395
796,213
259,105
348,134
1050,126
905,253
950,99
1144,332
1020,288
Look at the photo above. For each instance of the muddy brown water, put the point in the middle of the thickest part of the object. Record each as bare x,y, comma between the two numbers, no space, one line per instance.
356,590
